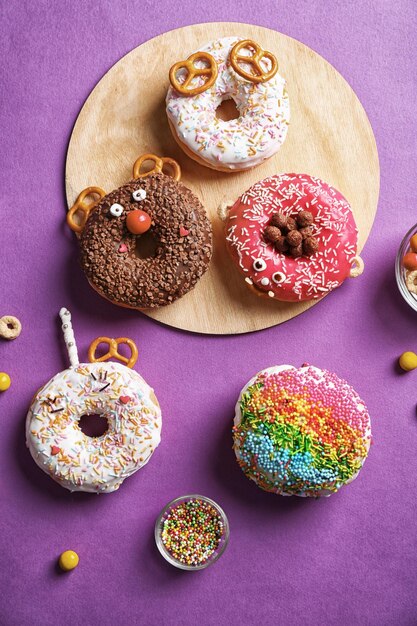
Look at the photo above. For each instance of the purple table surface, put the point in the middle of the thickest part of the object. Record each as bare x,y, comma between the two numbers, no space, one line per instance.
348,559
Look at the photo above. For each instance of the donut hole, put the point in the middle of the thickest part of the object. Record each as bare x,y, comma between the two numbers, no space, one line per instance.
10,326
93,425
146,246
227,110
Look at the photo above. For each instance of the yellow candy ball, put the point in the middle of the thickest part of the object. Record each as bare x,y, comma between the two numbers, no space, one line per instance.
408,361
5,381
68,560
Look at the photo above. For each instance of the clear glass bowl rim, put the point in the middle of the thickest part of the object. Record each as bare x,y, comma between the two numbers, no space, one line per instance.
215,556
399,270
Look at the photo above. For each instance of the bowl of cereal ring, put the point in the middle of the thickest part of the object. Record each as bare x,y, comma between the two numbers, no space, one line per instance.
406,267
192,532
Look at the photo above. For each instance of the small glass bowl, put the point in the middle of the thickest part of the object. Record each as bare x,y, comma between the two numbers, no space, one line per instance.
159,525
410,298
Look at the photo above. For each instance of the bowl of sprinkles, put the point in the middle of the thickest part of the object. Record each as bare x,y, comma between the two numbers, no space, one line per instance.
192,532
406,267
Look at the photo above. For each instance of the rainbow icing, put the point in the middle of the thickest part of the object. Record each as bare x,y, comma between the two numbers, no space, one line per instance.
300,431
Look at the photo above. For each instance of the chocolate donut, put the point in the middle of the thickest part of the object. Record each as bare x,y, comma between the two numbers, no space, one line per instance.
173,222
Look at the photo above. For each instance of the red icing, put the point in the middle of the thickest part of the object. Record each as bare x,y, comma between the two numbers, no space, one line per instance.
55,450
184,232
334,227
125,399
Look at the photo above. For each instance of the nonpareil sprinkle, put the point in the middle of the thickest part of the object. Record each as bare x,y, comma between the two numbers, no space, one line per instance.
192,531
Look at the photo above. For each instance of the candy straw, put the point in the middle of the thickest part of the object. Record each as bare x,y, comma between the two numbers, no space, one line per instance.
69,338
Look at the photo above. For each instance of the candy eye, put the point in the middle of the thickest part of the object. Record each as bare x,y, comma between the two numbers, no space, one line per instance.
278,277
139,195
259,265
116,210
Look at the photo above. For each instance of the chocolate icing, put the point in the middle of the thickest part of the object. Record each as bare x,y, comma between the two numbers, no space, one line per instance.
178,262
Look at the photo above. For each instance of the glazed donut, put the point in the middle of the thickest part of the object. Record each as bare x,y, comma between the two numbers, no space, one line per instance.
302,432
156,210
293,237
58,445
263,107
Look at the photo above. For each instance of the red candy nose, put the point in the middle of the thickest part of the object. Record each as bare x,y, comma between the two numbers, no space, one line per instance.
138,222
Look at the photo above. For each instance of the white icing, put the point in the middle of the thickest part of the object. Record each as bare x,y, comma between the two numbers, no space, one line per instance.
240,143
85,463
116,209
139,195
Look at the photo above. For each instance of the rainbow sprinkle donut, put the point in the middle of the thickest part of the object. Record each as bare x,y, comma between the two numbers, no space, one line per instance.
302,432
113,390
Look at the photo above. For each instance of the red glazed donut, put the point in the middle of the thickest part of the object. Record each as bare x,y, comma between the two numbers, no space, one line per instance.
283,264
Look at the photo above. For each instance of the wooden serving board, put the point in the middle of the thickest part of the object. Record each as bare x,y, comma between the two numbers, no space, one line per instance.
329,136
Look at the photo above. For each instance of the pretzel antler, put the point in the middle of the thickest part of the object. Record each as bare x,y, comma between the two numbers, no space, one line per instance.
259,75
113,350
209,72
85,208
159,164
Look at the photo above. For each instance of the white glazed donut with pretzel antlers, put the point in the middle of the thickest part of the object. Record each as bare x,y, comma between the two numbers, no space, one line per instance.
236,69
113,390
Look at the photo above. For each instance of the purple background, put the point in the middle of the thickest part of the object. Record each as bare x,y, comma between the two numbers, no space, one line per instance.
350,559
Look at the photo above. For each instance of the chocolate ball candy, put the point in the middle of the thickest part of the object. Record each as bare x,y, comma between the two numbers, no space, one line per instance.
281,244
279,220
271,233
294,238
296,251
304,218
310,245
307,231
291,224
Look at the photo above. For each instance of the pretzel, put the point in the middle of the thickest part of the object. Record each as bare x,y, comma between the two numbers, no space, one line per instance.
113,350
192,71
159,164
260,75
84,207
10,327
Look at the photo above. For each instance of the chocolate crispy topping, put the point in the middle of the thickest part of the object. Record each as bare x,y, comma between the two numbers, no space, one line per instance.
108,248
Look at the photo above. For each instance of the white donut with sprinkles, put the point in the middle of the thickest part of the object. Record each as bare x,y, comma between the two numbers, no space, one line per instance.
293,237
112,390
214,74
